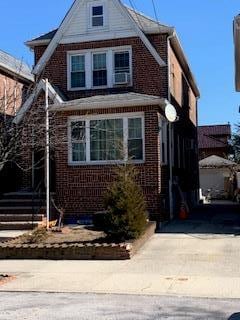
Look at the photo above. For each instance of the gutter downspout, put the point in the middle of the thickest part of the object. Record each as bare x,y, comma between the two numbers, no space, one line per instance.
170,132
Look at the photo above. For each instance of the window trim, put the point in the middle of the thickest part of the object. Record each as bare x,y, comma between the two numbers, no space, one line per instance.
70,71
90,16
87,119
92,69
110,52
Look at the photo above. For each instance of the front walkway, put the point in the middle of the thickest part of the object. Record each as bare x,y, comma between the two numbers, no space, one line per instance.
197,258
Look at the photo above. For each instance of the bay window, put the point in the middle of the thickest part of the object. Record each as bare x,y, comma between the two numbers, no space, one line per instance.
135,141
78,141
105,139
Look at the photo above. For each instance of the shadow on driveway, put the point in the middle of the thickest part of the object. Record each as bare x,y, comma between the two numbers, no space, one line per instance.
216,218
235,316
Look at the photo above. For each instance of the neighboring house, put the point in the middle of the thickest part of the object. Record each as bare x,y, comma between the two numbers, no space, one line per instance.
217,177
214,140
236,36
112,70
15,79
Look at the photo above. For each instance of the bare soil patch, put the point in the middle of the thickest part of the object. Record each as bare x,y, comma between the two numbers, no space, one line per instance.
68,235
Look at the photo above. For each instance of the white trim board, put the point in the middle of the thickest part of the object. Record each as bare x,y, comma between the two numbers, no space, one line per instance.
33,96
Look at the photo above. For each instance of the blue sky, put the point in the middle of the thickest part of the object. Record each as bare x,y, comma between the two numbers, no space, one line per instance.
204,27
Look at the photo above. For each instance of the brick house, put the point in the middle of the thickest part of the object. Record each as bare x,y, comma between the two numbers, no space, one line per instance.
214,140
112,71
15,79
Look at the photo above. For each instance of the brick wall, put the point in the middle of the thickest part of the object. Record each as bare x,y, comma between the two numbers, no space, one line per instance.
85,185
11,93
80,189
148,77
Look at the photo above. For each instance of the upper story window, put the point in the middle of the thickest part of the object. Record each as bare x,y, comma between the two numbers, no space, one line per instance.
121,62
97,16
103,139
100,68
78,79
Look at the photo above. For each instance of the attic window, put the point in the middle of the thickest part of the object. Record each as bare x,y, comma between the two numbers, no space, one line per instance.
97,16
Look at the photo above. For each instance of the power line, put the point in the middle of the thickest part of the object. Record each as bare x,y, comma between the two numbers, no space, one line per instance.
133,5
156,15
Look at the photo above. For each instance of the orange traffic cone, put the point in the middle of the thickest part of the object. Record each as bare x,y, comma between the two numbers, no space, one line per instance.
183,213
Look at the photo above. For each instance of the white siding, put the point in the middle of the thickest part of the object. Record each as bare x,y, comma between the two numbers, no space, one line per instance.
214,179
117,25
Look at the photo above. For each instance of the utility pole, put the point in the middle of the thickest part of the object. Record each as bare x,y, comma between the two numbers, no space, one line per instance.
47,156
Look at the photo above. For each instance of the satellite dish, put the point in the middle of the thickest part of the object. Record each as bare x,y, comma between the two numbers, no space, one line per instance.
171,113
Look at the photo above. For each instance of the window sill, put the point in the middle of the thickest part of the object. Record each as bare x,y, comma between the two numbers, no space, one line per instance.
119,86
103,163
100,28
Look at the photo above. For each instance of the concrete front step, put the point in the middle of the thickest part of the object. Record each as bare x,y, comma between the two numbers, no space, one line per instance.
22,202
21,225
22,210
20,217
25,195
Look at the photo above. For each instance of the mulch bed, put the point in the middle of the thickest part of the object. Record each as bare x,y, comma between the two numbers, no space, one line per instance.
68,235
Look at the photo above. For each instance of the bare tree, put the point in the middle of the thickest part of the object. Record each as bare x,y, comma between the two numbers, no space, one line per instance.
10,100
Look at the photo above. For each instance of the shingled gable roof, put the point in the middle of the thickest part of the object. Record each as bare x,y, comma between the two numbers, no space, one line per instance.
209,137
15,67
58,36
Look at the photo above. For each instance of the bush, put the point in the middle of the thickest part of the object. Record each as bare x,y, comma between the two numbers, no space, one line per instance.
126,216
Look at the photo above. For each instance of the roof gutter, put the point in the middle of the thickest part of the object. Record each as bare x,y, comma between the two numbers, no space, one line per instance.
79,104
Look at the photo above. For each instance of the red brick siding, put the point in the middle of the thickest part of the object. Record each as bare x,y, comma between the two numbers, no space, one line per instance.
85,185
11,93
148,77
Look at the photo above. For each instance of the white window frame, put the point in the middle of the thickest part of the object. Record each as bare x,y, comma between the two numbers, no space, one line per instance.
163,134
92,69
69,62
87,119
89,66
91,5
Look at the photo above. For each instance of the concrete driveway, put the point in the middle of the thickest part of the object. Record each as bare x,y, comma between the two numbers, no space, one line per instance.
185,259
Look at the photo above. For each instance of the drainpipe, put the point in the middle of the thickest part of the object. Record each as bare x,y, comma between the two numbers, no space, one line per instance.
170,132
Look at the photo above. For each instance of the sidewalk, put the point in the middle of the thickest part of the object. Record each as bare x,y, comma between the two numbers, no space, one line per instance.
168,265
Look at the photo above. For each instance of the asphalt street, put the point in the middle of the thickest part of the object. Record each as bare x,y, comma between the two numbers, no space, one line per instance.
51,306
